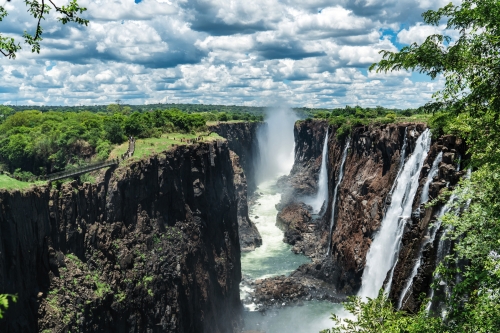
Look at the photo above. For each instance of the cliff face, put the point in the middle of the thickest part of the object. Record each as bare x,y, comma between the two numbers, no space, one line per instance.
370,170
242,140
303,178
153,247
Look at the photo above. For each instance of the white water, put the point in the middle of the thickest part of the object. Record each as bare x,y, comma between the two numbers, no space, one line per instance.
322,194
432,230
444,244
432,173
335,191
275,257
276,145
402,157
385,247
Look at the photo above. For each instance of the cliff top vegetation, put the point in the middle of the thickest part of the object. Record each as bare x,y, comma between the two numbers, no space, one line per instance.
35,143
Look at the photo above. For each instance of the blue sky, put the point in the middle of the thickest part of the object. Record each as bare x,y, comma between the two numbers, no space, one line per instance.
308,53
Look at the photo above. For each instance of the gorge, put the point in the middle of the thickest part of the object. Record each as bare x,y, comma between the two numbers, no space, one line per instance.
295,212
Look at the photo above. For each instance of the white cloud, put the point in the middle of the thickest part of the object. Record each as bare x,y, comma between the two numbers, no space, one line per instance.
219,52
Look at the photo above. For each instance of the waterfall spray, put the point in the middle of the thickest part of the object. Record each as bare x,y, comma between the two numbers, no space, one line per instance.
322,194
335,192
276,144
384,249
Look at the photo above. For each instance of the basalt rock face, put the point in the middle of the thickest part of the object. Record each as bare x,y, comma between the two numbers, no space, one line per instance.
370,170
415,243
242,140
153,247
250,237
303,178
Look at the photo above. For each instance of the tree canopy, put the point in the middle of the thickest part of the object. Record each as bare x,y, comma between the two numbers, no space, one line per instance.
39,10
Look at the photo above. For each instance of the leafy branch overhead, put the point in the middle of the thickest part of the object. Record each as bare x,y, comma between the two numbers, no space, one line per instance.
39,10
470,63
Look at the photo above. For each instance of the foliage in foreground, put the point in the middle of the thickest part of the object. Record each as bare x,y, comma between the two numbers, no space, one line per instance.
4,302
378,316
468,106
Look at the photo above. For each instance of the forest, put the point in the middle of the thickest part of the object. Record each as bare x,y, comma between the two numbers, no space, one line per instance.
33,142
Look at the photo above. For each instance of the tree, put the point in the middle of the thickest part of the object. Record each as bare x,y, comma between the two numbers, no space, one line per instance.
39,10
469,106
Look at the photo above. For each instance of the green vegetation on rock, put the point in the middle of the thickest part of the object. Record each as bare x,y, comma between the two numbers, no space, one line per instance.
468,106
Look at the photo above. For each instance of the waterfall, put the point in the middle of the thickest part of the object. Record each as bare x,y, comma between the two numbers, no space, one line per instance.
322,194
444,245
432,230
432,173
384,249
402,157
335,191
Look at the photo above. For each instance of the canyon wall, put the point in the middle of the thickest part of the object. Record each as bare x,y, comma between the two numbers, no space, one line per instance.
242,140
370,170
303,178
152,247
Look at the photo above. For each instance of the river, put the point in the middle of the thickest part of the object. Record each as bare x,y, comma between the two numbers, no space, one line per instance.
274,258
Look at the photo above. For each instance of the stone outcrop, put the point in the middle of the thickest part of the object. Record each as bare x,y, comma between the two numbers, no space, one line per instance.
152,247
283,290
300,231
242,139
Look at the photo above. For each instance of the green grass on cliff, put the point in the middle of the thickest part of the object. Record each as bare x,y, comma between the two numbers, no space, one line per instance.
151,146
9,183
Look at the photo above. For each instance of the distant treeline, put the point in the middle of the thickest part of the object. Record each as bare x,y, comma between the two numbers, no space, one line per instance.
347,118
43,142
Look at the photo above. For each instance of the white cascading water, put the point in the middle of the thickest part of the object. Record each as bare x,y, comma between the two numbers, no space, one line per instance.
444,244
274,257
385,247
432,173
432,230
402,158
322,194
335,192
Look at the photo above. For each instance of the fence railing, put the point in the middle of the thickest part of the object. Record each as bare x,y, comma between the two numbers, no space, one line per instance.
82,170
95,166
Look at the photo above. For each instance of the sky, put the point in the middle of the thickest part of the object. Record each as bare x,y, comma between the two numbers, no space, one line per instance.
302,53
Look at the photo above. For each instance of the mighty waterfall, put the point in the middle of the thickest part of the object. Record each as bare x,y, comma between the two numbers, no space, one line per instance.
335,192
431,231
322,194
444,245
385,247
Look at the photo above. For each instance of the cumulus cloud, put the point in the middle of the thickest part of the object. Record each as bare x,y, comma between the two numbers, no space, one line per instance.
311,53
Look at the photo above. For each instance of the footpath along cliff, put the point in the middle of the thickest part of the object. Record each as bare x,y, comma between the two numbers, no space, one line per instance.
153,246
